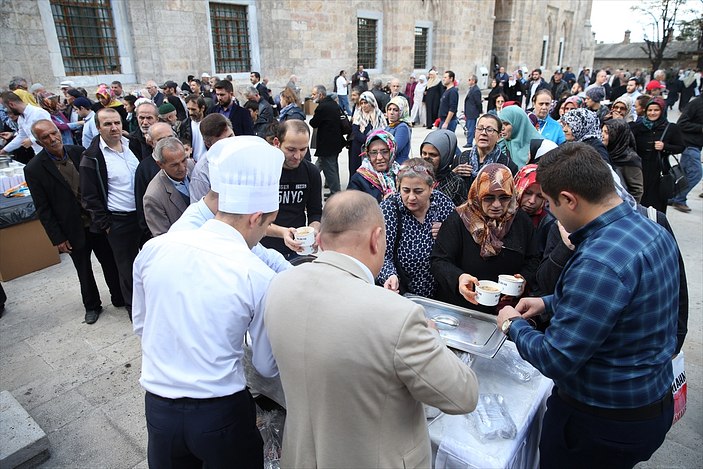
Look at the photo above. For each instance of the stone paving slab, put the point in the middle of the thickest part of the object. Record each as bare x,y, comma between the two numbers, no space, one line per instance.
22,441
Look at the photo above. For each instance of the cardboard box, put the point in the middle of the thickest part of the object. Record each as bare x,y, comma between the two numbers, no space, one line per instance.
25,248
309,106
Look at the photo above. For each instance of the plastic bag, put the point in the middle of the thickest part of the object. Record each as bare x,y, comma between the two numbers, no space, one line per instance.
491,419
518,369
270,425
679,387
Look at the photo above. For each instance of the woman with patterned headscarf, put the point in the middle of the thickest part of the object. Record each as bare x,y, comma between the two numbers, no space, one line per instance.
376,175
486,237
105,99
582,125
572,102
398,115
367,118
655,139
50,103
518,132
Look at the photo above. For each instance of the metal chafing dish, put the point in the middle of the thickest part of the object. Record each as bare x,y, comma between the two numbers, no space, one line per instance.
463,329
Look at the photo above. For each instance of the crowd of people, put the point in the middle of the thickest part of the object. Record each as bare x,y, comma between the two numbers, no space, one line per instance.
552,187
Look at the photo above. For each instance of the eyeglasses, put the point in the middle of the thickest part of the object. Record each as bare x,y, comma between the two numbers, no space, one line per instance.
619,108
490,199
417,168
487,130
375,153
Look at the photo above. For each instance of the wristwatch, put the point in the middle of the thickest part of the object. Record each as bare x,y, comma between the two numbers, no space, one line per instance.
505,327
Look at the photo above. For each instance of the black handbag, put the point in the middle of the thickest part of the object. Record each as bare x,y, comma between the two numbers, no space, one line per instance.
678,175
672,179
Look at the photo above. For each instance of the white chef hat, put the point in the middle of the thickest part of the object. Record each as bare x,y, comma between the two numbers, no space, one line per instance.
245,172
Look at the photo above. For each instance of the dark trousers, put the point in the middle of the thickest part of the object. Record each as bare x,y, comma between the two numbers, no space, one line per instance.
96,243
187,433
124,237
330,168
576,439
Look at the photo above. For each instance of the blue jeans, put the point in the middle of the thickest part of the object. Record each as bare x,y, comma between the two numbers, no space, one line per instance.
470,131
452,123
344,103
691,164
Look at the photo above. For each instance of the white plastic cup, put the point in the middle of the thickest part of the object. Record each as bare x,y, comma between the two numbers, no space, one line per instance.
488,293
306,237
511,285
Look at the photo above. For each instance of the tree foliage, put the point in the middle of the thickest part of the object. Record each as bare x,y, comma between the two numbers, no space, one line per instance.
664,14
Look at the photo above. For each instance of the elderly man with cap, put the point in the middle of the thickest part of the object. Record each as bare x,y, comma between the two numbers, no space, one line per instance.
168,114
198,409
594,95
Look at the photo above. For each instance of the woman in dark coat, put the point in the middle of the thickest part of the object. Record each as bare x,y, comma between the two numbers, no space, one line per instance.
433,93
656,138
486,237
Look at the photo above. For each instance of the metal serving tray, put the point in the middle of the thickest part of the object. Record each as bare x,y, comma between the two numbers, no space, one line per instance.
464,329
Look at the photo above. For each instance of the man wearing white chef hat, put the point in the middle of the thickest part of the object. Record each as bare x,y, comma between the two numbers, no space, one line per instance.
196,294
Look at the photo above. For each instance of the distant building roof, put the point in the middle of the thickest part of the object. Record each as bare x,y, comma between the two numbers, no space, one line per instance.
634,50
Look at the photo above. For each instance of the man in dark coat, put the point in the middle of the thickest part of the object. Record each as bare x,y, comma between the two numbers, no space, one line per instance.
329,136
52,177
228,107
360,79
473,107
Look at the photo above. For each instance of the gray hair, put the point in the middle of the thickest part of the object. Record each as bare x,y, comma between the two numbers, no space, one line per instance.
168,143
251,91
377,83
148,103
474,78
41,121
417,168
321,89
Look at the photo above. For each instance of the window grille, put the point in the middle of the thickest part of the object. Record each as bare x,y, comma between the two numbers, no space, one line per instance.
420,48
85,30
230,37
366,39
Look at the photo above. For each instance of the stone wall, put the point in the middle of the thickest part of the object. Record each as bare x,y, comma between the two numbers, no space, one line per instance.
313,39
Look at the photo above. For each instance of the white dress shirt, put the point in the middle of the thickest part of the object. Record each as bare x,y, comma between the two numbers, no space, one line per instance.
198,213
121,167
90,130
196,293
198,142
30,115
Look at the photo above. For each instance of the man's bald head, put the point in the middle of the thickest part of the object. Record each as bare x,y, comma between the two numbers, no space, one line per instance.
352,223
159,131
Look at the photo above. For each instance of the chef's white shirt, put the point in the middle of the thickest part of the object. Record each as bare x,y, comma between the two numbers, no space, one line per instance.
196,293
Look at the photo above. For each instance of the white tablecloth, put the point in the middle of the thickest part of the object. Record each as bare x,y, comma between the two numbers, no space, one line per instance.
455,441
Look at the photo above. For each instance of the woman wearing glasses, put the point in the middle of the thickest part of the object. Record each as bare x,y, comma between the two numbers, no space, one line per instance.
621,109
486,237
413,217
485,151
376,175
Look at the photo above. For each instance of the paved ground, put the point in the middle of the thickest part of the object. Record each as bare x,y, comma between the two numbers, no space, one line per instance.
80,382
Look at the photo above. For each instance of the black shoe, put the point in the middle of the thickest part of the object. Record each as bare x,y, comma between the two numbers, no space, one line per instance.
117,302
91,316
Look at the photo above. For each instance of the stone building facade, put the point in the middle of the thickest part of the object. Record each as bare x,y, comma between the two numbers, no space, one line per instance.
313,39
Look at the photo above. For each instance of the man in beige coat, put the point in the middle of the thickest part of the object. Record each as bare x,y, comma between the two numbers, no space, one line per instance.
356,360
167,197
